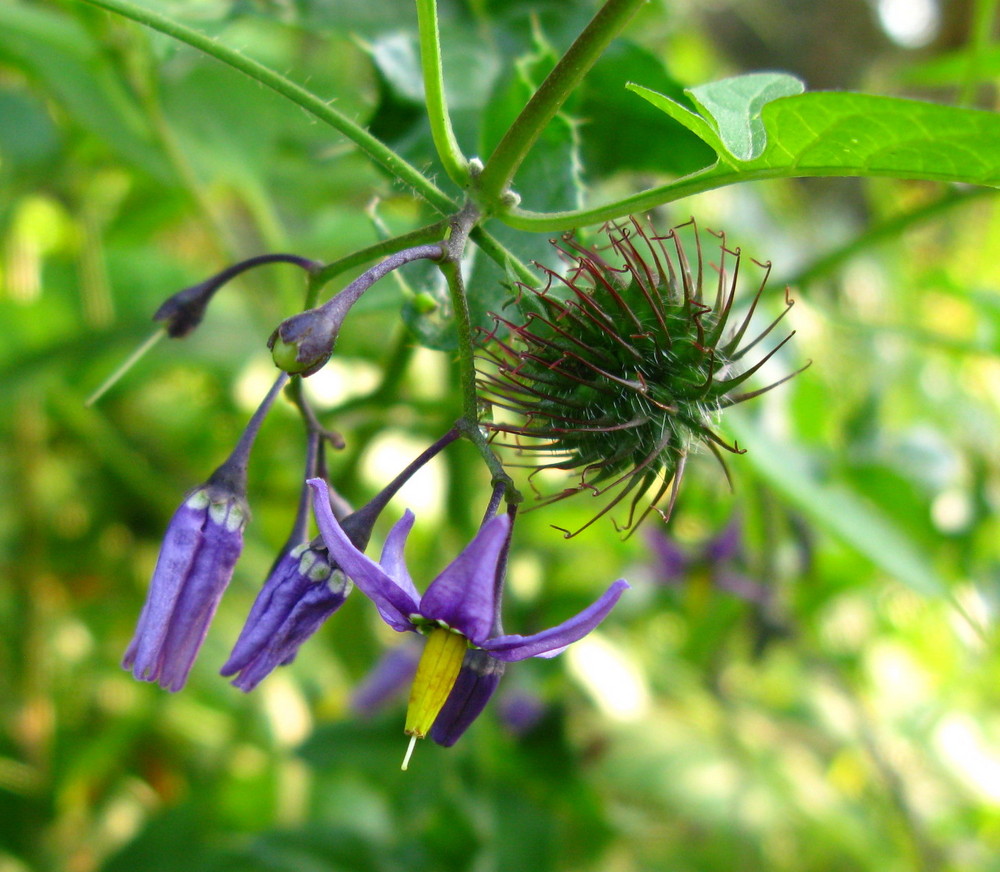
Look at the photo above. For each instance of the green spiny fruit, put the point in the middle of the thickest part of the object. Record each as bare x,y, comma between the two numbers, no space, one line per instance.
618,372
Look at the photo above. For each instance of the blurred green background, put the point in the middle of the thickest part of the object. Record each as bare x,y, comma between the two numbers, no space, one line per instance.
845,719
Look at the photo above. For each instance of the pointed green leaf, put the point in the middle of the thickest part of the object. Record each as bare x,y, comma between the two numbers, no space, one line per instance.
833,133
735,105
837,509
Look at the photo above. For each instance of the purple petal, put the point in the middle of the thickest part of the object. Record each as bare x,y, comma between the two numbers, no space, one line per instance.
392,601
548,641
477,680
727,545
672,563
392,555
200,549
464,594
299,595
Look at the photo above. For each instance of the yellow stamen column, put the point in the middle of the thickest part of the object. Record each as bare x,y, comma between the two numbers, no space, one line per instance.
439,667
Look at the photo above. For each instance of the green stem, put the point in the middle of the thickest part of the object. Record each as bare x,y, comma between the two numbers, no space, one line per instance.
888,229
374,148
437,106
451,268
551,94
429,233
708,179
495,250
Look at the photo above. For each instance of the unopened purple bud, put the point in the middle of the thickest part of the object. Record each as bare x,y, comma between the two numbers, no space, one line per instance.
203,542
476,683
303,343
301,592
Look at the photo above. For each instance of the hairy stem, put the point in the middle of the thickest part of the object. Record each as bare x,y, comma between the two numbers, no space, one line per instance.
437,108
550,96
315,106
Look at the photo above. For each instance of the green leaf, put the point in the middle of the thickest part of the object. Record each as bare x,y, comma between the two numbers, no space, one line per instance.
735,105
838,134
64,59
837,509
606,110
550,175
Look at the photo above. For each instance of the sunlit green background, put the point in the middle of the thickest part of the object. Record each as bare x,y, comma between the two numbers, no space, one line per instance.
849,722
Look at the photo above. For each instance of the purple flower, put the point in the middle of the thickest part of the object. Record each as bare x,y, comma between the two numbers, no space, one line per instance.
199,551
718,557
390,676
456,612
300,593
520,711
202,544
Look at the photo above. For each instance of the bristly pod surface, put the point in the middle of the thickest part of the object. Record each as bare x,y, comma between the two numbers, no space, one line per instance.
620,366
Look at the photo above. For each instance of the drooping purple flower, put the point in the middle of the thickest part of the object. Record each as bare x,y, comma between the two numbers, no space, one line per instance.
199,551
456,612
461,598
203,541
305,587
300,593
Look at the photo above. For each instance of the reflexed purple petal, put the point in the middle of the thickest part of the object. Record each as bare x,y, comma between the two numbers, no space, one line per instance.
540,644
394,604
200,549
477,680
299,595
390,677
672,563
392,555
727,544
464,594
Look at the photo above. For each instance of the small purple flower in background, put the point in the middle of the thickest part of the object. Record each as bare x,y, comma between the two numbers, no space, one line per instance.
201,546
388,679
520,710
300,593
718,559
458,610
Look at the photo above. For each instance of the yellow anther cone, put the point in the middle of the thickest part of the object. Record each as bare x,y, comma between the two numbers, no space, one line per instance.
436,674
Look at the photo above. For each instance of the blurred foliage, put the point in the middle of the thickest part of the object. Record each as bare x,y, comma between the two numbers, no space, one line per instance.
845,721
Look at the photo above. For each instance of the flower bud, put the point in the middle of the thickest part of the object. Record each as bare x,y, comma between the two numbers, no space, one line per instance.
303,343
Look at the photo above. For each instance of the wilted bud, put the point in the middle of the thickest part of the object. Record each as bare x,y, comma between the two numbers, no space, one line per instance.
303,343
182,312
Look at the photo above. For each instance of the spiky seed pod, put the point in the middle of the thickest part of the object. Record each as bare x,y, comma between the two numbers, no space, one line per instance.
618,372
